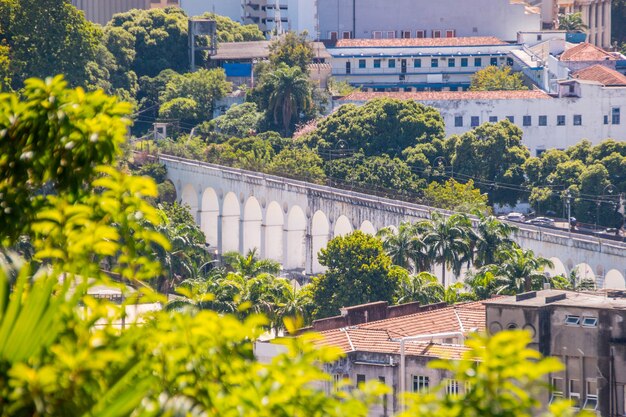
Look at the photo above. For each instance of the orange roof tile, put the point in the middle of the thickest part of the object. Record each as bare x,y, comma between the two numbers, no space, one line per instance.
449,95
586,52
601,74
398,42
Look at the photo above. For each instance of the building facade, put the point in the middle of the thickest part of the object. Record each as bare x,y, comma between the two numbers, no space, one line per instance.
229,8
341,19
418,64
582,109
279,16
587,332
100,12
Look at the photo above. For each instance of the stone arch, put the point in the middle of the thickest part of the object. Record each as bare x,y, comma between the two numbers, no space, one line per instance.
343,226
368,227
189,197
252,219
557,269
274,225
295,242
231,213
585,272
209,215
320,229
614,279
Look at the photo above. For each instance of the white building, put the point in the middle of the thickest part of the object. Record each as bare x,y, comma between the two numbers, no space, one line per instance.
294,15
588,107
418,64
229,8
341,19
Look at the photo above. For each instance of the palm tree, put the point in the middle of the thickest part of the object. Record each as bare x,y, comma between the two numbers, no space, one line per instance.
250,265
490,237
406,247
448,241
291,94
572,22
423,287
520,270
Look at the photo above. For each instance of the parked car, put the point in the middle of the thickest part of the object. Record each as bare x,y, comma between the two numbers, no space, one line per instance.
514,217
541,221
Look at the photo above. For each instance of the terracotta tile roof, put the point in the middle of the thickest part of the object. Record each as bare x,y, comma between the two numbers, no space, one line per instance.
469,41
586,52
449,95
378,336
601,74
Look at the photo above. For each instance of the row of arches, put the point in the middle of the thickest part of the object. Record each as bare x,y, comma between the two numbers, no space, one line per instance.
283,233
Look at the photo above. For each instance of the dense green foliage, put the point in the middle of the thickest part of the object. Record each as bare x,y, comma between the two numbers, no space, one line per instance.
496,78
231,31
456,196
572,22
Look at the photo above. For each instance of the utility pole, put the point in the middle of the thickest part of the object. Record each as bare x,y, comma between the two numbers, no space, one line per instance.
569,211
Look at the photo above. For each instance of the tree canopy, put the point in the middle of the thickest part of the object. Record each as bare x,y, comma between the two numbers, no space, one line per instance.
496,78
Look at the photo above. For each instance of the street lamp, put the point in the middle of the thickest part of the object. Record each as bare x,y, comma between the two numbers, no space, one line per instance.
439,161
569,210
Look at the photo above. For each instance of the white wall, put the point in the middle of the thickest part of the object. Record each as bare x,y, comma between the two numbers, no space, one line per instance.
497,18
230,8
302,16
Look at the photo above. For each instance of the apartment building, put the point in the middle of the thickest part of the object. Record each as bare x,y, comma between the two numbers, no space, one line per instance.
99,11
588,106
415,64
596,15
279,16
228,8
586,331
342,19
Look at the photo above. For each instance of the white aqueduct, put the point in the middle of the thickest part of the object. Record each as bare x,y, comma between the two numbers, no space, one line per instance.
290,221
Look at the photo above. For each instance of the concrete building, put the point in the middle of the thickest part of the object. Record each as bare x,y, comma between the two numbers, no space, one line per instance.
294,15
596,15
589,106
100,12
159,4
341,19
586,331
417,64
228,8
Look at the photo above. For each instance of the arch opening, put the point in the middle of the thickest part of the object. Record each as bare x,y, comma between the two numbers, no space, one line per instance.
189,197
343,226
209,215
320,228
295,234
274,224
614,279
557,269
231,213
252,219
368,227
585,272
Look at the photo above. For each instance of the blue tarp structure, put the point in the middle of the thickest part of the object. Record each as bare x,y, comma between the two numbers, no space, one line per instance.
238,70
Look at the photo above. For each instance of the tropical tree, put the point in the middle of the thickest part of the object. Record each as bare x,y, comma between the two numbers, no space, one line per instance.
406,247
250,265
572,22
490,237
520,270
496,78
447,240
291,95
423,287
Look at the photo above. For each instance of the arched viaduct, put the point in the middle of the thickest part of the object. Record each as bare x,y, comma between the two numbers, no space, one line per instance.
290,221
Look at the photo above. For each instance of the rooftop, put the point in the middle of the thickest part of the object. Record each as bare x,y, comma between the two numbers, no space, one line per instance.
469,41
257,49
601,300
449,95
586,52
381,336
606,76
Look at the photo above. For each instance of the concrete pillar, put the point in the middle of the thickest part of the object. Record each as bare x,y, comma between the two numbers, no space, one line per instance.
219,234
262,249
242,226
606,36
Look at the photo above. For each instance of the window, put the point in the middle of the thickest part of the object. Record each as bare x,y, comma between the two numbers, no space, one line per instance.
391,63
458,121
451,62
493,119
420,383
377,63
478,62
543,120
391,34
574,392
572,320
336,382
377,34
436,34
615,116
539,37
452,387
333,36
557,390
494,62
348,67
360,379
406,34
464,62
590,322
434,63
511,119
361,63
591,399
560,120
420,33
527,121
346,35
474,121
606,120
381,379
578,120
450,33
417,63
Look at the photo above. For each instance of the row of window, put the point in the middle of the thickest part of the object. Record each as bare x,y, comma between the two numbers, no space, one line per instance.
417,63
541,120
421,383
391,34
587,321
574,393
